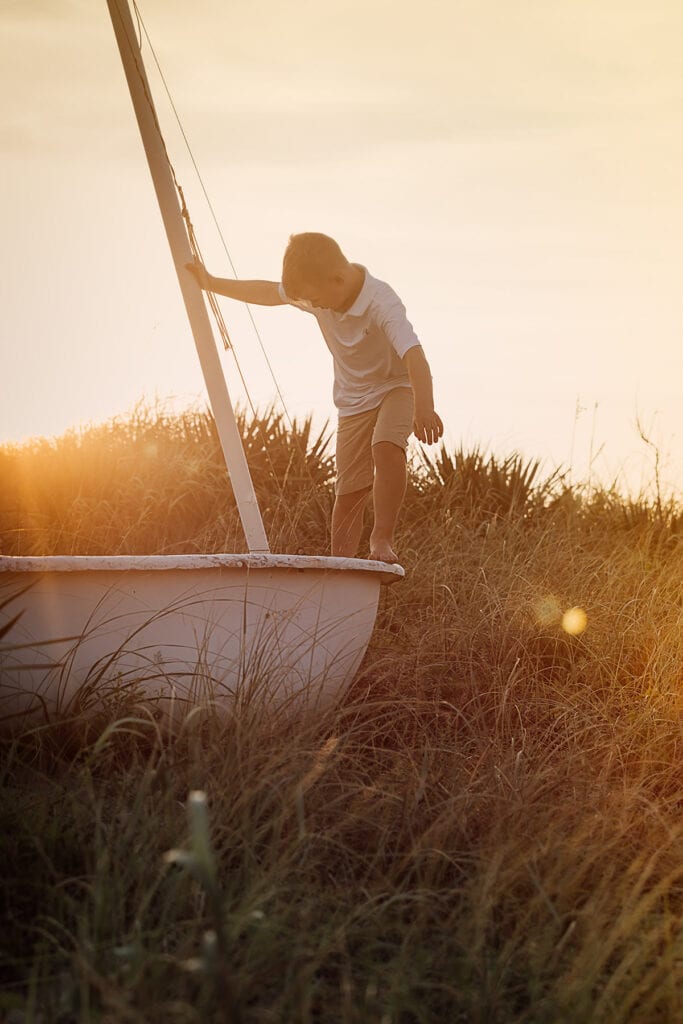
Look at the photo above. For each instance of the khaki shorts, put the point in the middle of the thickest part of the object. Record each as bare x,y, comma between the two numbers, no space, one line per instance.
391,421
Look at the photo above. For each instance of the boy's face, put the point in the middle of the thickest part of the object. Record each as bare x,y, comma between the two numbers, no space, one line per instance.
325,293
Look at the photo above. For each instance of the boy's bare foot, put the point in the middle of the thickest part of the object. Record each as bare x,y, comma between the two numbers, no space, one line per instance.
382,551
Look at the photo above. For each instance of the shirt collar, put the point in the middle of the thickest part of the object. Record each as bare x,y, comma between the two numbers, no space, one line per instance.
362,300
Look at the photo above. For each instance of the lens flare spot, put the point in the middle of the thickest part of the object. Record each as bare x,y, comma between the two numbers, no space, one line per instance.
547,611
574,621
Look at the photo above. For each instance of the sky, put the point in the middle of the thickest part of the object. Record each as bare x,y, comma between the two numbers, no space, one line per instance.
511,167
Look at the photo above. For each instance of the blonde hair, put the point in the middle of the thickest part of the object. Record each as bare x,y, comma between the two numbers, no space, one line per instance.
309,258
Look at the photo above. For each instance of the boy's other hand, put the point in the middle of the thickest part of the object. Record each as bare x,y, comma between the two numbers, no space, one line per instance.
427,426
200,274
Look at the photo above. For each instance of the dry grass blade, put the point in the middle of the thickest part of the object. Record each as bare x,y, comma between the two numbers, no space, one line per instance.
487,829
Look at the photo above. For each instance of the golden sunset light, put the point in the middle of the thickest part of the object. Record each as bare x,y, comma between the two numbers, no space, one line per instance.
341,511
514,168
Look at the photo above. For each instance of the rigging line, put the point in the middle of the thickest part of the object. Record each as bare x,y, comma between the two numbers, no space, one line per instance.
212,298
134,54
213,214
279,484
194,245
185,212
213,302
220,323
139,36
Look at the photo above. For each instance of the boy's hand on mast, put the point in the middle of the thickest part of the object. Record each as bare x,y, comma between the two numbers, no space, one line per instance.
427,426
200,274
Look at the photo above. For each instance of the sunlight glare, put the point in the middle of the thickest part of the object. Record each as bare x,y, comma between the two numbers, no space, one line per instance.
574,621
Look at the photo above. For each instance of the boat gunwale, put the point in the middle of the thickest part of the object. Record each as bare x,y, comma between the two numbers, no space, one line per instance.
146,563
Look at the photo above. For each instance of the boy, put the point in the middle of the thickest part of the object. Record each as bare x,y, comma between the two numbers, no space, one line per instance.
382,381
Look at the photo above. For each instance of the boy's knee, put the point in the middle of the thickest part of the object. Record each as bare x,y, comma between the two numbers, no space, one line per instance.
386,453
350,499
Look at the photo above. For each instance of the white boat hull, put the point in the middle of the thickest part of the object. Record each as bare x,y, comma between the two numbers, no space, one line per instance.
178,631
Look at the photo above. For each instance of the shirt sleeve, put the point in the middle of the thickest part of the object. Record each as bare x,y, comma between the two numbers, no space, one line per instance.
394,322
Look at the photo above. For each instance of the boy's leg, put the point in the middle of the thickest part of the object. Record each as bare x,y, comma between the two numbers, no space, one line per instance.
389,444
387,494
347,522
354,481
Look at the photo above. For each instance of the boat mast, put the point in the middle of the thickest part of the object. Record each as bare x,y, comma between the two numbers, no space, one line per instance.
181,251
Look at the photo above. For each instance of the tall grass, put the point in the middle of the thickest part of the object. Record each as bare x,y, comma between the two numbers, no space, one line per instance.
153,483
487,830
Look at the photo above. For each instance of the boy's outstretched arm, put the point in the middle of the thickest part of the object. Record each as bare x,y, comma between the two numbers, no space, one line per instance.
260,293
427,425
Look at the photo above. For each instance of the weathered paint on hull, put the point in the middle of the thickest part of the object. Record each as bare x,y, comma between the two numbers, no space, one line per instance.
183,629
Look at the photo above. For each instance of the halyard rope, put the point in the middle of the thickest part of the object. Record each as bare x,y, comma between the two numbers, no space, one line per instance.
194,245
213,214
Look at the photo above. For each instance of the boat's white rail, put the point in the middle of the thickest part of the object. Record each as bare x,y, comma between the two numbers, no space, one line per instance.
132,563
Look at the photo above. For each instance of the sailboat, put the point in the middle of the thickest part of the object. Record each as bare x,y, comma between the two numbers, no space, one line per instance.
183,630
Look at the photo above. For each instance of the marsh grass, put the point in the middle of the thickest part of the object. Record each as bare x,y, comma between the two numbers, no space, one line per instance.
154,482
487,830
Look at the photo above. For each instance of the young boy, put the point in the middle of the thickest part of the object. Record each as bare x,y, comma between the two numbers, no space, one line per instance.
382,382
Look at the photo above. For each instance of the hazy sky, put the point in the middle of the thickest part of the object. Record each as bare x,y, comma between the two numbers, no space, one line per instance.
512,167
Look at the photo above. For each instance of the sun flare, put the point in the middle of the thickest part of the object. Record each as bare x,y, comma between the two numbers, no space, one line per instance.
574,621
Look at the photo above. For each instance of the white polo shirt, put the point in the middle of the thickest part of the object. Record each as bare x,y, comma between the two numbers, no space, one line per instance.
367,343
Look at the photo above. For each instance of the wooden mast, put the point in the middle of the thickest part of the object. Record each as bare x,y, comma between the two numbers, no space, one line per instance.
181,251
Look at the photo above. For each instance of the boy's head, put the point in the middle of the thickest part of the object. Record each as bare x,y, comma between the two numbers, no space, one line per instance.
315,269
